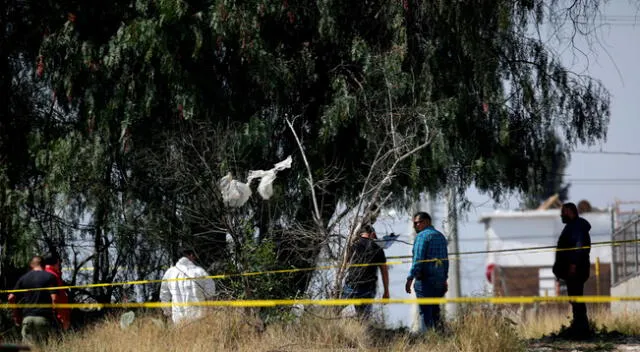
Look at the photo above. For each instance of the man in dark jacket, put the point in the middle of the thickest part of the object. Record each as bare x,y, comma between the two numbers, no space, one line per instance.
37,323
572,263
361,278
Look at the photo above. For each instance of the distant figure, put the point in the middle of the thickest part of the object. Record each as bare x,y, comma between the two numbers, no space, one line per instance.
53,266
430,268
37,323
361,281
584,207
572,263
184,291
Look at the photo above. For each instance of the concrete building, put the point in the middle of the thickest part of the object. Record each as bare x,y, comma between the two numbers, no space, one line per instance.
529,273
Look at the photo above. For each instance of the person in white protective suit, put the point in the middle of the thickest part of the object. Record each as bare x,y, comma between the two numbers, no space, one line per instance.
182,291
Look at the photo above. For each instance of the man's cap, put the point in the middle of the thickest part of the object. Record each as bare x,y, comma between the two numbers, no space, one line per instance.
187,250
367,229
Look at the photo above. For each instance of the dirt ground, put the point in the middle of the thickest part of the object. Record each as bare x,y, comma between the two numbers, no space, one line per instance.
602,341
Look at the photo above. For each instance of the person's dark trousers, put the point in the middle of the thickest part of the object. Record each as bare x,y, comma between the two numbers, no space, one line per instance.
362,310
430,312
580,319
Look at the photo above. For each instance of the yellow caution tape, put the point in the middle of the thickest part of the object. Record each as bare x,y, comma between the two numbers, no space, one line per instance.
326,267
334,302
540,249
220,276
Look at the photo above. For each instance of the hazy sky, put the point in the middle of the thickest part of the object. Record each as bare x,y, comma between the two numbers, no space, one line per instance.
599,178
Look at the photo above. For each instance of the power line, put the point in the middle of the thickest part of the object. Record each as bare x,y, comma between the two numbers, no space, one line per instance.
598,179
607,184
601,182
605,180
605,152
518,237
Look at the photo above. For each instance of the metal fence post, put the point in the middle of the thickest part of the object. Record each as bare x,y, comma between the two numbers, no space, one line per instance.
598,276
614,259
624,254
614,266
635,245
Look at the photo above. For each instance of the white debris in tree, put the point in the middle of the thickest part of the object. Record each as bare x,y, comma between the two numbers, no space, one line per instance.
265,188
234,193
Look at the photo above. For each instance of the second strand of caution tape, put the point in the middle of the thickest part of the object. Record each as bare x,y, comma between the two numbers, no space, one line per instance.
333,302
327,267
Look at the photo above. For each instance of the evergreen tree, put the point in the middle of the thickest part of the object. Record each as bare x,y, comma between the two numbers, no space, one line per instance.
142,85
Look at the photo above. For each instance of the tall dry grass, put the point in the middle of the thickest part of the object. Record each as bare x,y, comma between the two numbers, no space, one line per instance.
535,325
231,330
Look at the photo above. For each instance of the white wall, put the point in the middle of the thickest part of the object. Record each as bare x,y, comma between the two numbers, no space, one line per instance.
629,287
512,230
399,314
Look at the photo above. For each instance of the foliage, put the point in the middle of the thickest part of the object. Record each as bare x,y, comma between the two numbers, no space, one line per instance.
28,121
548,179
155,101
239,62
259,258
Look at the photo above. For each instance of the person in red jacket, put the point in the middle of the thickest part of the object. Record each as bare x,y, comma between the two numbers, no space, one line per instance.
53,266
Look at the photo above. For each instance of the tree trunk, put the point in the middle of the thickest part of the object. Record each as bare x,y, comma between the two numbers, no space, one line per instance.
303,252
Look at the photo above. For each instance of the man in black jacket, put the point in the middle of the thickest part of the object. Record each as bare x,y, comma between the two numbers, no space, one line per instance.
37,324
572,263
361,278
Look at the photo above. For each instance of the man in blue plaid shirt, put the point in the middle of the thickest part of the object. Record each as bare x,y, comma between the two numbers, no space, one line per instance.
430,268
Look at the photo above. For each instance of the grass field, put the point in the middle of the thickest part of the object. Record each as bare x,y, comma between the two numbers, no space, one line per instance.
236,330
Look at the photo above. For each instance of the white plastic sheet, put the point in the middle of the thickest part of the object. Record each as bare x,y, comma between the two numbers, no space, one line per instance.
265,188
348,312
127,319
234,193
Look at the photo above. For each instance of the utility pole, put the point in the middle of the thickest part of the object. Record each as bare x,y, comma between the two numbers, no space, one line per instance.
416,324
451,210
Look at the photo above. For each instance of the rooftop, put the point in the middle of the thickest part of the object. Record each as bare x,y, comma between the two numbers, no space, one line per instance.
503,214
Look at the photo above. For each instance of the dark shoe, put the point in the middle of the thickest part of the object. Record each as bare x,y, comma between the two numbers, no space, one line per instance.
577,331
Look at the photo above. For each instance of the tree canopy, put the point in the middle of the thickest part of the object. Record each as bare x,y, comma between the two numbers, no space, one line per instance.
154,101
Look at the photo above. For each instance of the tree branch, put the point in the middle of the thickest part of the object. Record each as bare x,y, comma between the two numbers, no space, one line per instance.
314,199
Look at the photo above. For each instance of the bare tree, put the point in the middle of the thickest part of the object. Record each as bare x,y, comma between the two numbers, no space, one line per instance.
392,152
402,133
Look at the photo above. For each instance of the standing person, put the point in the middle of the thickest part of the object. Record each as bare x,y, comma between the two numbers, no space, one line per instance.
361,281
54,267
572,263
430,268
179,291
37,323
